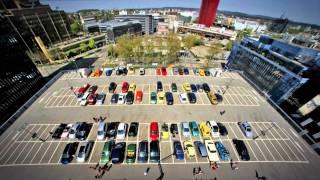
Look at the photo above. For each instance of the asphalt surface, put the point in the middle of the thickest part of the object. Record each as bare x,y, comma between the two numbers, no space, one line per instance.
278,154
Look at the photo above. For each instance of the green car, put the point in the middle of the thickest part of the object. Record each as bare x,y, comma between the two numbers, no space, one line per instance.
131,153
153,98
106,152
174,87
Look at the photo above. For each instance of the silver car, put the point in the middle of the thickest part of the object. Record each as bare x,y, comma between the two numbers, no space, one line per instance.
246,129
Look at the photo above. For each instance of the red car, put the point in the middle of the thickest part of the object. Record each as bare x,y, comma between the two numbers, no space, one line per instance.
92,99
154,131
158,71
139,95
125,87
83,88
163,71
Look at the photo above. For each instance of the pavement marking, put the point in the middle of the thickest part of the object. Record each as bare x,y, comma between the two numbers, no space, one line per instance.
31,147
54,152
9,136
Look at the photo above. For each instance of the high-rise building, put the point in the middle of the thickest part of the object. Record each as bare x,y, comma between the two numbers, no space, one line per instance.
146,22
208,12
19,78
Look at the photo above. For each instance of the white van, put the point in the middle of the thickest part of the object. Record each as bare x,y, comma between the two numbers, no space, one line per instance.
101,133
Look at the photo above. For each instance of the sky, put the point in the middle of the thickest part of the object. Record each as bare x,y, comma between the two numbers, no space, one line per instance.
297,10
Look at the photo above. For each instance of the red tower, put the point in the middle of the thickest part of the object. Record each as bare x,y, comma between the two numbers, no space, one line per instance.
208,12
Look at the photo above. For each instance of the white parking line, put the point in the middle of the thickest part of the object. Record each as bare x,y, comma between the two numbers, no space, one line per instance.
54,152
9,134
293,144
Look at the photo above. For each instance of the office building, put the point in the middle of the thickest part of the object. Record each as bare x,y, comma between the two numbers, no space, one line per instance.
146,22
288,74
19,78
115,28
208,12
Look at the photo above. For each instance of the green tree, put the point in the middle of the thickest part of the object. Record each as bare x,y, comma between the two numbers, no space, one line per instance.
229,46
76,27
92,43
191,40
173,47
83,47
244,33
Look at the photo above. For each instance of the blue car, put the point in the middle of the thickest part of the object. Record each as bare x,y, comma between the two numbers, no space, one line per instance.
68,152
194,128
178,150
201,149
108,72
222,151
193,88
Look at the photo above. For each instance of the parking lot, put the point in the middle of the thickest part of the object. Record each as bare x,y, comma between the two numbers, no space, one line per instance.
276,148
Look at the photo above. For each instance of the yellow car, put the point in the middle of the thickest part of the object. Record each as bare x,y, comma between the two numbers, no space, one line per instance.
205,130
201,72
212,98
164,131
189,149
161,98
130,70
132,87
186,87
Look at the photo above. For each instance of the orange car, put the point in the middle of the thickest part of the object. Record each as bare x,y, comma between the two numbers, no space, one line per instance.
96,73
139,95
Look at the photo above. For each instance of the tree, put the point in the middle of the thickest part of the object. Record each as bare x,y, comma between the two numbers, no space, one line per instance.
244,33
83,47
191,40
214,50
173,46
229,46
92,43
76,27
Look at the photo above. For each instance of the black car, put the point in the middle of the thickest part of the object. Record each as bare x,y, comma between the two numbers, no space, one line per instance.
83,131
241,149
206,72
186,71
159,86
117,152
129,97
193,87
169,98
124,71
222,129
199,87
68,152
114,98
57,132
174,128
112,87
206,87
112,129
219,97
154,151
174,87
133,130
93,89
143,152
192,98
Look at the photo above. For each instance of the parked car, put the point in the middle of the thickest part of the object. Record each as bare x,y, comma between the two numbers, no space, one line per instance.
159,86
112,129
212,151
93,89
192,97
189,149
194,128
108,72
131,70
186,87
174,129
241,149
163,71
58,131
83,131
223,152
174,87
207,73
154,131
129,97
68,152
142,71
164,134
199,87
131,153
222,129
122,130
196,71
246,129
158,71
160,99
175,71
125,87
66,131
132,87
154,151
117,153
201,72
84,99
121,99
193,88
100,98
143,152
206,87
102,130
84,151
114,98
183,98
112,87
133,129
92,99
186,71
153,98
205,130
106,151
180,71
169,98
139,96
201,149
178,150
74,130
219,97
83,89
185,129
214,128
212,98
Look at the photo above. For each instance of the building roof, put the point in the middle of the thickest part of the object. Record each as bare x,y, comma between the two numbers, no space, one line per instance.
111,24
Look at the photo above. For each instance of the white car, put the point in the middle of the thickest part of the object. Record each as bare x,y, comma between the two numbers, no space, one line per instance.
183,98
73,130
121,132
214,128
142,71
185,129
66,131
212,151
246,128
84,99
84,151
121,99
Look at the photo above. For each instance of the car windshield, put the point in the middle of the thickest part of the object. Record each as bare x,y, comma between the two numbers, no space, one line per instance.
120,131
248,129
215,129
161,98
142,154
100,132
154,154
186,129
